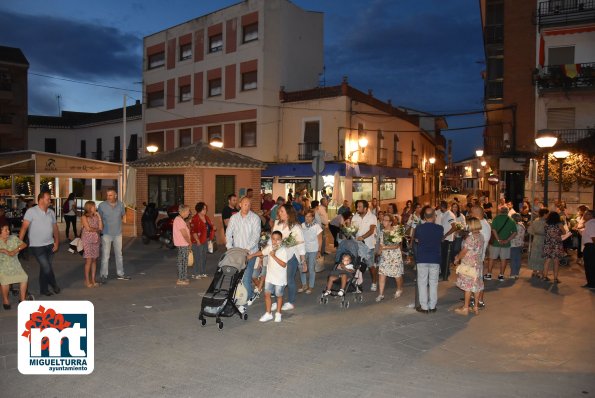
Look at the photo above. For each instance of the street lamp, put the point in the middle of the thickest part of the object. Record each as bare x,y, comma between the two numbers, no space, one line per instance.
483,163
216,142
561,155
152,149
545,139
479,153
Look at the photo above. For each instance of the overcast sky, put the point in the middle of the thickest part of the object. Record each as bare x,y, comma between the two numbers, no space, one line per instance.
424,54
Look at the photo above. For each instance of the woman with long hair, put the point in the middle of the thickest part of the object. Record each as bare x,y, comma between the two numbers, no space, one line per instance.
288,224
92,226
407,211
202,232
552,247
336,224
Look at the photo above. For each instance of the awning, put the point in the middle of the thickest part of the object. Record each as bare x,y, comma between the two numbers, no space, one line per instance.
305,170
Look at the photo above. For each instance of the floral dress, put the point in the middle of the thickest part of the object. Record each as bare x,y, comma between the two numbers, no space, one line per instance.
91,239
552,247
474,246
10,267
391,261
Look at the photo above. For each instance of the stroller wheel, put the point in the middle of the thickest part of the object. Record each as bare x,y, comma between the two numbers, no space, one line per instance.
361,299
220,325
325,300
245,316
203,322
346,304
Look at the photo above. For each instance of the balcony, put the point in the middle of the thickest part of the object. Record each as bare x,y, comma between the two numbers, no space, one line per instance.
397,159
306,149
494,34
493,145
494,90
565,12
382,156
581,139
414,161
565,77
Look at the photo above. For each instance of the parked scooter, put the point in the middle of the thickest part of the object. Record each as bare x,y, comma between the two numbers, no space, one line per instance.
161,230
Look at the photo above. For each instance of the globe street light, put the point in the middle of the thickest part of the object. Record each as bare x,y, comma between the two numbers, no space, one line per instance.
479,153
216,142
561,155
152,149
545,139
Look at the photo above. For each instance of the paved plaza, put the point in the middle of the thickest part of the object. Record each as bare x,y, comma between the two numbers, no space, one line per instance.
533,340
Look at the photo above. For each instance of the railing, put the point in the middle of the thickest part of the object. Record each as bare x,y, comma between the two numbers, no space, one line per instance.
97,155
382,156
494,34
565,12
115,155
575,136
495,90
397,159
306,149
493,145
565,77
414,161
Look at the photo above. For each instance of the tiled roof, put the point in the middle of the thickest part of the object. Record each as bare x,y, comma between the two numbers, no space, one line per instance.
198,155
70,120
12,55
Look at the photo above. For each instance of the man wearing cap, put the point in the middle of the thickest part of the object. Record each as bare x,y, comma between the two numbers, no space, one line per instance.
446,219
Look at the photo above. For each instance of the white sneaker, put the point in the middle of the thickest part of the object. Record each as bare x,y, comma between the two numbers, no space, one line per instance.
277,317
373,287
266,317
341,293
287,307
250,301
274,307
379,298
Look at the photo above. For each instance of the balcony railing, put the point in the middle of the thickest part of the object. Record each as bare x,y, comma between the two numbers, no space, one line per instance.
494,34
414,161
397,159
97,155
565,12
565,77
576,136
493,145
494,90
115,156
306,150
382,156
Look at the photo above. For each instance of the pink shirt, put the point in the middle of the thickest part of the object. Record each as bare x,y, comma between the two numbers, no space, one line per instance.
179,226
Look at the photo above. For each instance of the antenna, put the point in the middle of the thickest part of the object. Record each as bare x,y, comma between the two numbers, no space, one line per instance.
58,97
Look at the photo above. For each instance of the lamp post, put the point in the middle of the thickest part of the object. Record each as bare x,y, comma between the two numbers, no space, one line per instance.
479,153
152,149
545,139
561,155
432,160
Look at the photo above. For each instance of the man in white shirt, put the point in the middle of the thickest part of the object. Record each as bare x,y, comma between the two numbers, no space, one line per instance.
322,219
366,223
588,245
447,219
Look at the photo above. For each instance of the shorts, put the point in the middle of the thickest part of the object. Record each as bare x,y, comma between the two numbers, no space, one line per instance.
502,252
370,258
274,289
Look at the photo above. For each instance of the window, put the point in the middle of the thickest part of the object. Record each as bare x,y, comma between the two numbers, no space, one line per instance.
560,55
5,81
157,60
83,153
224,185
155,99
156,139
561,118
248,131
388,188
185,93
185,137
99,150
50,145
214,87
250,32
214,131
249,80
166,190
362,188
312,132
216,43
185,51
115,155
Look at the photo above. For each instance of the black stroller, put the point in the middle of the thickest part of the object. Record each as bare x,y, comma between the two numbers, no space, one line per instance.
351,247
226,296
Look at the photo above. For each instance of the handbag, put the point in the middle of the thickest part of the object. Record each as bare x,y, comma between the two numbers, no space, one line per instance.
466,270
210,247
190,258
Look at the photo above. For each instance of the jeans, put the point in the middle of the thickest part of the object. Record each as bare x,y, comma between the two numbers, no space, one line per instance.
70,220
292,266
200,257
44,256
247,279
311,261
446,255
515,260
427,274
106,246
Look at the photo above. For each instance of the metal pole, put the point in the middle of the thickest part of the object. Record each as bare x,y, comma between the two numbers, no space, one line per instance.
546,176
124,176
316,188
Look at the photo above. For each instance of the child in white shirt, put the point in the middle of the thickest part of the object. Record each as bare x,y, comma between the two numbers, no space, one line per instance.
343,269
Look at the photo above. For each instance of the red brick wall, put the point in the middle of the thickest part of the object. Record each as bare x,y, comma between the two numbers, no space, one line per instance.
171,53
231,35
199,45
170,94
230,81
198,88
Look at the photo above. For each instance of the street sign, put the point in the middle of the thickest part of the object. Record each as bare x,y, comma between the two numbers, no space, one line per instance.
318,162
320,182
493,179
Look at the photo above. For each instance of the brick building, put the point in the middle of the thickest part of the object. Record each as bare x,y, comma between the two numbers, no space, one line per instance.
13,99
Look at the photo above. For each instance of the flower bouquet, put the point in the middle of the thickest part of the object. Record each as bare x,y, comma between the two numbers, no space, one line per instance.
459,226
290,241
264,240
349,231
395,236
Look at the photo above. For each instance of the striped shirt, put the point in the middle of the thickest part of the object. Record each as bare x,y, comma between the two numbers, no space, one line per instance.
243,232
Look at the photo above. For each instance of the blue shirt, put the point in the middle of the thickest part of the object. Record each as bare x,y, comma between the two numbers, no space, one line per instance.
429,240
298,207
111,217
41,227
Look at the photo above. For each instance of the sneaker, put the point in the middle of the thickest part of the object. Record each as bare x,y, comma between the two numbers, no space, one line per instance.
327,293
398,293
308,291
277,317
487,277
274,307
250,301
500,278
287,307
302,289
195,276
482,304
379,298
357,289
266,317
124,277
373,287
341,293
204,276
103,280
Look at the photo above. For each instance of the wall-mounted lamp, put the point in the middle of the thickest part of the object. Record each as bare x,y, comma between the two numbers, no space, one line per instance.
152,148
216,142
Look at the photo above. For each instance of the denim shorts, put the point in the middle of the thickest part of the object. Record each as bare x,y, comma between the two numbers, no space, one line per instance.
274,289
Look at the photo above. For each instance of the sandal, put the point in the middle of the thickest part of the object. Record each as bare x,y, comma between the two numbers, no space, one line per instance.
308,291
398,293
462,310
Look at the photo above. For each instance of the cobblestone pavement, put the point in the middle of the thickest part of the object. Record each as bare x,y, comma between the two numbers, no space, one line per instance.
533,340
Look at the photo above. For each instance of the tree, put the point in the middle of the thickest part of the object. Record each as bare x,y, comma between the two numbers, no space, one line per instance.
577,168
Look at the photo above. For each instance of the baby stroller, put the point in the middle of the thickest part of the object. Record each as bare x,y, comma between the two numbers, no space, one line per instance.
226,295
356,250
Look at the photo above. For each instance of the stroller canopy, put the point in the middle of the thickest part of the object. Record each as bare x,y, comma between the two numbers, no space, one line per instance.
353,247
234,257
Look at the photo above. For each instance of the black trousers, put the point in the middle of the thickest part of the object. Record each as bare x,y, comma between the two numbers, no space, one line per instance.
446,257
70,220
589,258
334,231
